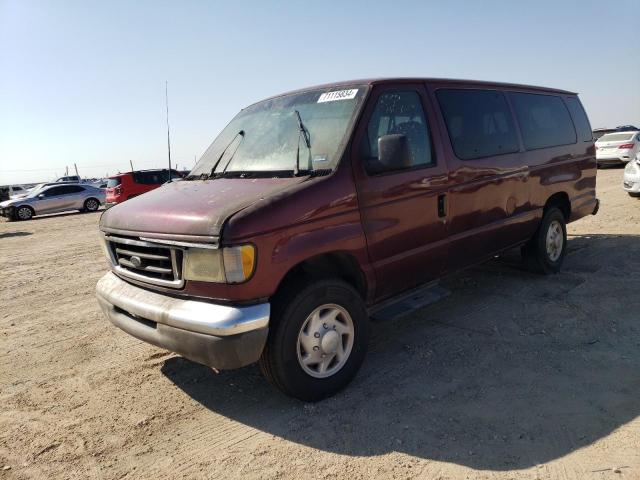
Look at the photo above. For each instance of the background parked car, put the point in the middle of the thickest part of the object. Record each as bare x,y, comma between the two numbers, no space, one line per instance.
631,177
616,148
53,198
599,132
127,185
14,191
69,179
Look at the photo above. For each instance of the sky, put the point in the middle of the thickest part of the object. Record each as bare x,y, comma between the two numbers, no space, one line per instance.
84,81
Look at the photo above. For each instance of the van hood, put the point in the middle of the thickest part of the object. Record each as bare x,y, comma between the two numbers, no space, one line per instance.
191,208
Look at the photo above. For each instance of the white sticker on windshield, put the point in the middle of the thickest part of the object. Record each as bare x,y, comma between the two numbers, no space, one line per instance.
338,95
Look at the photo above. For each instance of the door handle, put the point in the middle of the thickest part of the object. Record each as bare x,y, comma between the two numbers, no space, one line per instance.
442,206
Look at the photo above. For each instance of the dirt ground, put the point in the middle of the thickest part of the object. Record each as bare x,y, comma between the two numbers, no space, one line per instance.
513,376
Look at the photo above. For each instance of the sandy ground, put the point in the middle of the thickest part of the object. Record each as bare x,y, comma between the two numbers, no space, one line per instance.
514,376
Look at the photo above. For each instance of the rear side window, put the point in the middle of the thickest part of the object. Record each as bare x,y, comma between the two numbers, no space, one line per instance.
479,122
544,120
151,177
399,112
580,119
113,182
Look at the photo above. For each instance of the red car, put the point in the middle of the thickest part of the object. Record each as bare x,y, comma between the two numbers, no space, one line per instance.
127,185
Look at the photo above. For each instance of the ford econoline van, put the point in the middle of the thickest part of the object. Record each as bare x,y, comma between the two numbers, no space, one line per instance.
313,208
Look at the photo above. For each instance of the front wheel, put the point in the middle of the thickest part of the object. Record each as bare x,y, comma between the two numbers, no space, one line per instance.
545,252
24,213
317,339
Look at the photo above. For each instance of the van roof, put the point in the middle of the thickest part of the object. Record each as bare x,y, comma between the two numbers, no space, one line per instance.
441,81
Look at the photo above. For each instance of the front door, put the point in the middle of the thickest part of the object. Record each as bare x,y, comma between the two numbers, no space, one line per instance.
49,200
403,209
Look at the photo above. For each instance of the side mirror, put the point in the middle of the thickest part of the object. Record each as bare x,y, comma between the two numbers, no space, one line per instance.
41,196
394,152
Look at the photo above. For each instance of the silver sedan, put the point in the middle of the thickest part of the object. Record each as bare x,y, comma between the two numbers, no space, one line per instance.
53,198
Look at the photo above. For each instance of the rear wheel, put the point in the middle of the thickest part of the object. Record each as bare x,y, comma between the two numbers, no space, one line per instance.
317,339
545,252
24,213
91,205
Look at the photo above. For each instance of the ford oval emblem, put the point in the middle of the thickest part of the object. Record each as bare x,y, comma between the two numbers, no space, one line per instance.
135,261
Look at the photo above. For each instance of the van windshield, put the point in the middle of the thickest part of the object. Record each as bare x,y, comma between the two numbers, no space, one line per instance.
266,136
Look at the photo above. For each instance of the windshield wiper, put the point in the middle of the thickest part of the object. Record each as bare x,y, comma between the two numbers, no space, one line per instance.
213,170
201,176
302,130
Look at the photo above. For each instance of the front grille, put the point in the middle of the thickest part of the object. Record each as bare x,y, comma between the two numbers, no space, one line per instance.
146,261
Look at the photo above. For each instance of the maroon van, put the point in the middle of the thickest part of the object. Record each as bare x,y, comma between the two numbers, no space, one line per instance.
314,208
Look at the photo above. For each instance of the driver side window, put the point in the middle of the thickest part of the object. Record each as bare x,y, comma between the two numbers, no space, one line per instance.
54,192
398,112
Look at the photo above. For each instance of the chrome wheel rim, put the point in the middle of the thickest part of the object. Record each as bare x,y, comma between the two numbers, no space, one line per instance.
91,205
24,213
325,341
555,240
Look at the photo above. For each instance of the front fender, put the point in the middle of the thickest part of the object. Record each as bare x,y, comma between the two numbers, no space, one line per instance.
341,238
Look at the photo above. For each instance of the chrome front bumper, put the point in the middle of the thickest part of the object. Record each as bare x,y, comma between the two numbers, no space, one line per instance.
220,336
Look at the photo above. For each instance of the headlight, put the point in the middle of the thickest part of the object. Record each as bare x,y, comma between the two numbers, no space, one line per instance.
226,265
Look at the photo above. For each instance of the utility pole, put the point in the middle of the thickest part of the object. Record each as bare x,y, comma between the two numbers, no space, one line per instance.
131,163
76,167
166,98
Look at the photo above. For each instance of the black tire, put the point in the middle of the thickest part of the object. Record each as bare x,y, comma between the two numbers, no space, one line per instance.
24,213
634,194
290,310
535,253
91,205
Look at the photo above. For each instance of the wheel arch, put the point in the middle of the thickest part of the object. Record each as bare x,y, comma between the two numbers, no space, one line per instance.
337,264
561,201
24,205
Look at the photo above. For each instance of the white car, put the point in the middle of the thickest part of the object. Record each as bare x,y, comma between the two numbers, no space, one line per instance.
616,148
631,177
15,191
69,179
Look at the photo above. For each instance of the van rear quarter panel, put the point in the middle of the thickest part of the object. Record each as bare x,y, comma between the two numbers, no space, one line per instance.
570,169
